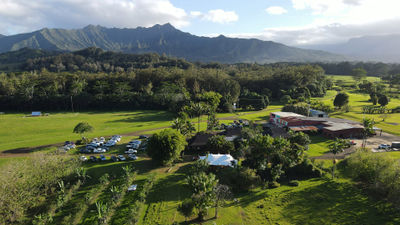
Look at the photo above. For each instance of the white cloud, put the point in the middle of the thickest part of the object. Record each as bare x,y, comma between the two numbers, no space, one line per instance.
275,10
196,13
221,16
335,21
26,15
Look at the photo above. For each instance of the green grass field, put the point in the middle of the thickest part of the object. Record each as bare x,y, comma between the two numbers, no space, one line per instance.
315,201
19,131
347,79
22,131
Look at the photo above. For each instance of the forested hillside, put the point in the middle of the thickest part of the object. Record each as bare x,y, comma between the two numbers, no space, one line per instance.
164,39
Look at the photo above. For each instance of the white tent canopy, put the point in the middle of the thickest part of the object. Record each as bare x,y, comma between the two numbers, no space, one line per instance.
219,160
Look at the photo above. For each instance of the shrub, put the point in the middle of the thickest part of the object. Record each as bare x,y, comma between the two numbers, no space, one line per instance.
378,172
306,169
238,179
29,183
273,184
165,147
293,183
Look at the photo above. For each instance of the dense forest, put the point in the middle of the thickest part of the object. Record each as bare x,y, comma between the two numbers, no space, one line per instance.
94,79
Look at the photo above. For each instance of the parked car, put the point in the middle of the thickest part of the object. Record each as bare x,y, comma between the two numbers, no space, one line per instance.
83,158
110,143
133,145
93,159
102,158
114,158
85,150
130,151
116,138
132,157
395,144
132,187
121,158
99,150
383,146
143,137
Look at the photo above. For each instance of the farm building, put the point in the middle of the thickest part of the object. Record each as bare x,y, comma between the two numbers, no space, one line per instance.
330,127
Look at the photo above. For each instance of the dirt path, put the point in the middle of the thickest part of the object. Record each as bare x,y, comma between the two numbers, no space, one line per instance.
22,152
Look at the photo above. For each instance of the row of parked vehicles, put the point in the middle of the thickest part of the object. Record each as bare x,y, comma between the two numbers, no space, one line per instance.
235,124
395,146
114,158
68,145
100,145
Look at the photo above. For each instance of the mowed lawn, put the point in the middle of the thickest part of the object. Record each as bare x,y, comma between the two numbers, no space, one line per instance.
347,79
23,131
20,131
357,101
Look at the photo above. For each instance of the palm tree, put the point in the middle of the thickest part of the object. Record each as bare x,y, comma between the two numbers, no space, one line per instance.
336,147
197,109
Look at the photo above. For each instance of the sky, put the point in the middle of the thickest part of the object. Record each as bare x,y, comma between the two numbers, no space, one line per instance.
292,22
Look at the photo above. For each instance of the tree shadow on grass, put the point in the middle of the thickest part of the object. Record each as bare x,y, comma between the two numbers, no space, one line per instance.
339,203
145,117
169,188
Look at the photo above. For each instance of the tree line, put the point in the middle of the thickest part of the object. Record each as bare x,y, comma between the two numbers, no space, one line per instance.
168,86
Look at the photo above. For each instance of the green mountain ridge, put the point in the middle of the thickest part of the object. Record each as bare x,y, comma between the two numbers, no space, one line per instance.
164,39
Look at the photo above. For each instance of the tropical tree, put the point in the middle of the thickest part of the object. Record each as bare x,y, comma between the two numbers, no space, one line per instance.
82,128
341,99
186,208
359,74
374,98
202,186
218,144
368,126
335,148
197,109
222,193
212,122
383,100
165,147
183,124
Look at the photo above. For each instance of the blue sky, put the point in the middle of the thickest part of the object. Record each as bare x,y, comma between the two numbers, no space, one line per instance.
292,22
252,16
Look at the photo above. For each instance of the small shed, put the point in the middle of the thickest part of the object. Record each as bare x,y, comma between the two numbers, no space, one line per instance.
318,113
36,113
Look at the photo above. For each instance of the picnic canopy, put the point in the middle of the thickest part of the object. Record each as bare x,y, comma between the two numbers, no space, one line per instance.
219,160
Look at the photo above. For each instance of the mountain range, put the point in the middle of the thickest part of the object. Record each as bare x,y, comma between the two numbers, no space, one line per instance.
381,48
164,39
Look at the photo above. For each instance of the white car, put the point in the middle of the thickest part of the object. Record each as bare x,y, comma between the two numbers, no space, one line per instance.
121,157
130,151
96,144
99,150
83,158
132,187
116,138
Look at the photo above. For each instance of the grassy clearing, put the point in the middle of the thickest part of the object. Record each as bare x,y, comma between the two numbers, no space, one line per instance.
318,146
341,202
22,132
347,79
357,101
